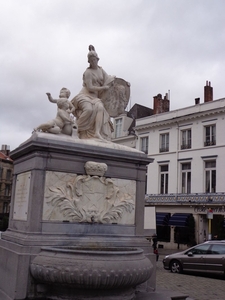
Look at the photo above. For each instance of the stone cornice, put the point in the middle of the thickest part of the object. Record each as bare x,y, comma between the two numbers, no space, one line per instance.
178,119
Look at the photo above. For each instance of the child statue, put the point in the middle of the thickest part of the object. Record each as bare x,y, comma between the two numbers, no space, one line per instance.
63,121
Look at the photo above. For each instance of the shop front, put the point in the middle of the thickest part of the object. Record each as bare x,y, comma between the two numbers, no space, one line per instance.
180,225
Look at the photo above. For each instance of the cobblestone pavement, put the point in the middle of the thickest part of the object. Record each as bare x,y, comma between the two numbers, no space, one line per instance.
195,286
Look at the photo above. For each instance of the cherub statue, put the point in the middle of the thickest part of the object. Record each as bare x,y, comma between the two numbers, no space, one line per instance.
63,121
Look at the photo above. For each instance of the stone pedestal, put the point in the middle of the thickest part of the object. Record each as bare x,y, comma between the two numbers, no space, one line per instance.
56,202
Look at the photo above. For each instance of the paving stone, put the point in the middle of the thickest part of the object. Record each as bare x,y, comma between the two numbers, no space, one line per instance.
197,287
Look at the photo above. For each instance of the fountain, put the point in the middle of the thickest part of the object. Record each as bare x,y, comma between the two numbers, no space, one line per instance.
77,210
92,273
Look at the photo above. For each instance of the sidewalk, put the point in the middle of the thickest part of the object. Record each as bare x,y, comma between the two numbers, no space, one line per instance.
160,293
164,252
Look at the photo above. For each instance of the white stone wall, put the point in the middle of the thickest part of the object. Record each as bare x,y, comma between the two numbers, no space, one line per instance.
195,118
214,113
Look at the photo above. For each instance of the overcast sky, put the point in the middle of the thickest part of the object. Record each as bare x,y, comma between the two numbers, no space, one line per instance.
156,45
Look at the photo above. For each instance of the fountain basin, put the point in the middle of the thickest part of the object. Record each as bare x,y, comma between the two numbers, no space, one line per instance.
91,268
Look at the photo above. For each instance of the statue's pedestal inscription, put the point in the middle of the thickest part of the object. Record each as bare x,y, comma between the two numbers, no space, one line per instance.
22,192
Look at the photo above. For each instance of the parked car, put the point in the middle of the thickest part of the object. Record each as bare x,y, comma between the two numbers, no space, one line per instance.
208,257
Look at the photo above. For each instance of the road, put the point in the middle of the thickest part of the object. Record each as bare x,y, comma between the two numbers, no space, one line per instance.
197,287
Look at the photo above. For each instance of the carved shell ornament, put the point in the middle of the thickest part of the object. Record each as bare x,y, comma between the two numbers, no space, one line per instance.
91,198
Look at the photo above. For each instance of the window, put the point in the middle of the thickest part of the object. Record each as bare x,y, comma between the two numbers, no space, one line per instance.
210,176
1,171
144,144
164,178
5,207
186,139
7,190
210,135
186,178
218,249
164,142
202,249
118,130
8,174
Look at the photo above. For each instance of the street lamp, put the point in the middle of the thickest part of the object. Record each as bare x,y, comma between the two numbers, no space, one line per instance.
210,217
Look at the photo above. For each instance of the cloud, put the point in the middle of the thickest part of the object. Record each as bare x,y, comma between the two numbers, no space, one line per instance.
156,45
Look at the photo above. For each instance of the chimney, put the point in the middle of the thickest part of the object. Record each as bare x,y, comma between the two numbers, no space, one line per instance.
5,149
197,101
161,105
208,92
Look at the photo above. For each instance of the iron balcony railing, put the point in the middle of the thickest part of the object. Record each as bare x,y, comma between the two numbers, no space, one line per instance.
186,146
210,143
193,198
164,149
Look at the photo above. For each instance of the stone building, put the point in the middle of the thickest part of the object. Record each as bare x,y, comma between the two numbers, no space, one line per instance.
185,183
124,132
6,171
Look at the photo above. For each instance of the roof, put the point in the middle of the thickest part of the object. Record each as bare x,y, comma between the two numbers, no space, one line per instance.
136,112
186,113
5,157
139,111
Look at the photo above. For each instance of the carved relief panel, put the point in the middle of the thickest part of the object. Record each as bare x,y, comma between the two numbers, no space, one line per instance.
90,198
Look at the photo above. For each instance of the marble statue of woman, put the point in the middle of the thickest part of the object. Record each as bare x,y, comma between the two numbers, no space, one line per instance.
92,116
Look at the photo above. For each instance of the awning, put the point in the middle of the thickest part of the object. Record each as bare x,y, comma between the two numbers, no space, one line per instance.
179,220
162,218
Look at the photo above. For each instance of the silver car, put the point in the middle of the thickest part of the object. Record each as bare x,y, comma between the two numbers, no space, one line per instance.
208,257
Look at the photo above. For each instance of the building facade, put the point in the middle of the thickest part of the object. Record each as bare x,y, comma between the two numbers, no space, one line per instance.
185,183
124,125
6,173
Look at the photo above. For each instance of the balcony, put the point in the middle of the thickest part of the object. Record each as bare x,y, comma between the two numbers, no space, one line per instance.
186,146
210,143
164,149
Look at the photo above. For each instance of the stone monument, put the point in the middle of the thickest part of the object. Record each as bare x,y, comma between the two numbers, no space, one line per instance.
77,210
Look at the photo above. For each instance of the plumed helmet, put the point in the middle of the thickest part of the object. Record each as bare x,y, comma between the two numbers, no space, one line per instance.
92,52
